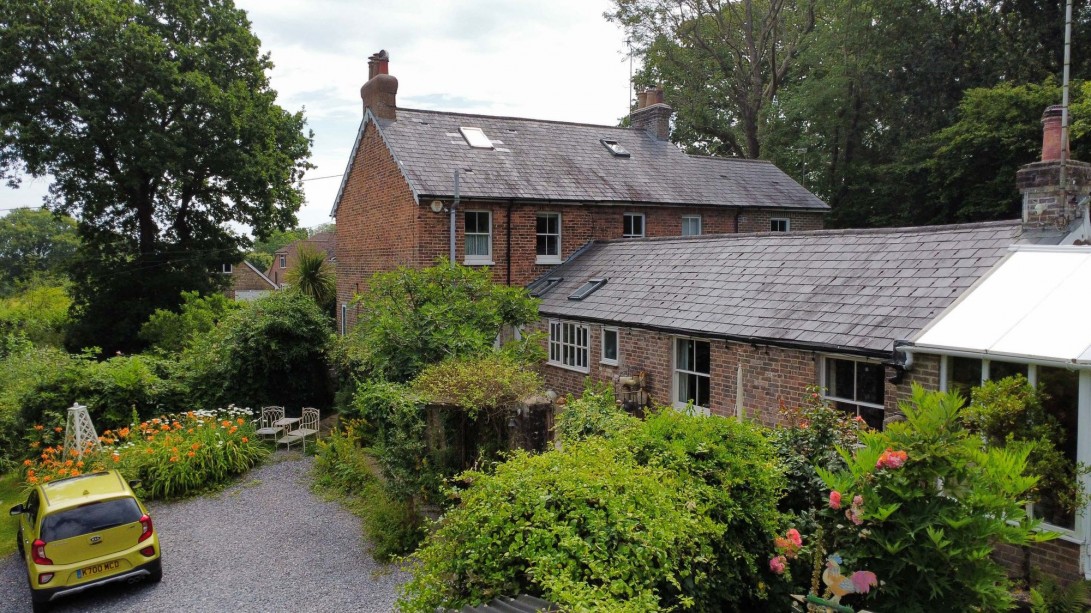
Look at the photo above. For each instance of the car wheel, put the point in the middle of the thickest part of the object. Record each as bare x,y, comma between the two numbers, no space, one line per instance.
157,572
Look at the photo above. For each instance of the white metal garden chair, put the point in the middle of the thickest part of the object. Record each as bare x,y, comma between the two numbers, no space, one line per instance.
266,423
305,426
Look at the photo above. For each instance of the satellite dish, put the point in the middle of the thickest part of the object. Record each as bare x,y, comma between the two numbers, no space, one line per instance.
437,206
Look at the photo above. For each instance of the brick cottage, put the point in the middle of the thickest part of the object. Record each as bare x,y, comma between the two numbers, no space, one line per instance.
530,193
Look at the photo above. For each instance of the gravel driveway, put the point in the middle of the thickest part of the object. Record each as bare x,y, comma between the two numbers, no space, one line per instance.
265,544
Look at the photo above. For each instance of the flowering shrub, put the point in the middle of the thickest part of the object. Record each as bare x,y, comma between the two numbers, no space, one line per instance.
929,501
172,455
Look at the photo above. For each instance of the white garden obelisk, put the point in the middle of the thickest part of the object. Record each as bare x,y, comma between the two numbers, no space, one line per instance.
80,433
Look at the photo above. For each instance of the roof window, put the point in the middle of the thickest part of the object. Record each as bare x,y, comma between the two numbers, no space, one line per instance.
475,138
615,148
545,286
587,288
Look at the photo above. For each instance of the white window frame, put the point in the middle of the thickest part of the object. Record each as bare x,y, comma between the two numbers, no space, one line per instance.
547,259
476,259
691,219
787,224
856,360
1082,525
676,372
571,351
643,225
283,260
344,316
227,269
617,346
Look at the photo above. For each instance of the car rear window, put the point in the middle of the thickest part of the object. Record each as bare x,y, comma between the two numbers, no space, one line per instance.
90,518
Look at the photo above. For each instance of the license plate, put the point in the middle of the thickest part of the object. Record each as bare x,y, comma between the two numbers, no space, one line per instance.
97,569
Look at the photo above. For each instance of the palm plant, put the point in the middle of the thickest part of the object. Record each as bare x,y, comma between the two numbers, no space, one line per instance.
314,277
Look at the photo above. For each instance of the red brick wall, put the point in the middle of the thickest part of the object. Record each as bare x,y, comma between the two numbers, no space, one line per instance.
244,278
376,220
757,220
1057,558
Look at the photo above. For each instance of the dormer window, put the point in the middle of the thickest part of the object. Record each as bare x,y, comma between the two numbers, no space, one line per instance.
587,289
475,138
615,148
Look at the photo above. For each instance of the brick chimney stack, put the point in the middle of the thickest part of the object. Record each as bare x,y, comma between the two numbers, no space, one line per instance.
1049,208
381,90
652,114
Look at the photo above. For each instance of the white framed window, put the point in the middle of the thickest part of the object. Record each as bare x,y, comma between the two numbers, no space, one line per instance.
692,373
548,238
857,387
632,225
344,316
691,225
227,269
780,225
1061,399
569,345
283,261
478,235
609,345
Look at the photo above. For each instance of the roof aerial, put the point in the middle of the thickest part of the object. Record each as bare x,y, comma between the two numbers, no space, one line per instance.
475,138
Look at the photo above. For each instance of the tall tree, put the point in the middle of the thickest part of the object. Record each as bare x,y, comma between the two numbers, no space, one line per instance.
156,120
34,242
723,61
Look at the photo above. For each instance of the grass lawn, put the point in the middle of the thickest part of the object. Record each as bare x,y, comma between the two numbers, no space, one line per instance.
11,494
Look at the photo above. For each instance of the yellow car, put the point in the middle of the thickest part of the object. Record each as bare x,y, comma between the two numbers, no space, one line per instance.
82,532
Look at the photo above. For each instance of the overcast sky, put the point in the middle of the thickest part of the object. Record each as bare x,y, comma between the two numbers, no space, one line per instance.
544,59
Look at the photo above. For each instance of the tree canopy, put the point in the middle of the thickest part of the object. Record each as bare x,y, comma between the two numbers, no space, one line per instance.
34,242
157,123
859,107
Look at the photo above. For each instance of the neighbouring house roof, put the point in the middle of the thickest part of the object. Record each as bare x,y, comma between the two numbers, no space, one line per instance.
855,291
1030,307
260,274
551,161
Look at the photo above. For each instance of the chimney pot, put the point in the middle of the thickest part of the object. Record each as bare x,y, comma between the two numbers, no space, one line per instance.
641,100
1051,133
654,116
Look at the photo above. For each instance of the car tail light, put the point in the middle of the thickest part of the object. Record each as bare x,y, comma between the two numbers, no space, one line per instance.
37,553
44,578
148,551
145,529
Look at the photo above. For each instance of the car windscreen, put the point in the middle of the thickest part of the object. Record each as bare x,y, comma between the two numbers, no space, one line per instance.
90,518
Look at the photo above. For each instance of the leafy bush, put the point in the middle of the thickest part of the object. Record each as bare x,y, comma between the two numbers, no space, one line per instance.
809,437
1009,412
172,456
595,413
110,389
23,371
411,318
313,276
170,332
672,512
342,466
587,527
270,351
39,313
929,503
477,383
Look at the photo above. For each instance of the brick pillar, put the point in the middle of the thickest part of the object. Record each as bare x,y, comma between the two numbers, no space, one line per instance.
653,115
381,90
1048,206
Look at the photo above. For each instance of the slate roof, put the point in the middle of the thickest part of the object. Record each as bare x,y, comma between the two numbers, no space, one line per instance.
550,161
855,291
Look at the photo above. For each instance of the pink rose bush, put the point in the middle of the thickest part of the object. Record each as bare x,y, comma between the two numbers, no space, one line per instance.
891,459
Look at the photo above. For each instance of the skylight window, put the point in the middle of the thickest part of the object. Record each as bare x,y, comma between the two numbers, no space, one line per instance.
544,287
587,288
615,148
475,138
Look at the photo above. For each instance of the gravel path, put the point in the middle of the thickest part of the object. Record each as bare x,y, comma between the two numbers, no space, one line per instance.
266,544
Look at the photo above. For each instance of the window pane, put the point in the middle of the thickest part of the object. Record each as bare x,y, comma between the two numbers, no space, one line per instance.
872,416
686,387
870,381
703,385
609,345
839,378
543,224
1061,393
90,518
547,245
683,357
1003,370
963,374
701,356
